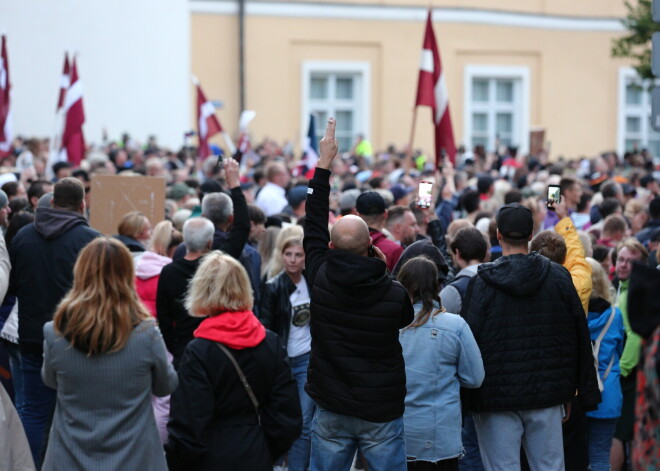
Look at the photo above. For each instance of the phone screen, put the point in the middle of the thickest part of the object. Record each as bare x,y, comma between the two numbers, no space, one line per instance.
425,194
554,196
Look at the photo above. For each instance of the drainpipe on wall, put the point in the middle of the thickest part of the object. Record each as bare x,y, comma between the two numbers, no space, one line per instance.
241,55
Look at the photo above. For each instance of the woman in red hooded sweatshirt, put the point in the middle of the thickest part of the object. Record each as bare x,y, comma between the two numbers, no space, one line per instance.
214,421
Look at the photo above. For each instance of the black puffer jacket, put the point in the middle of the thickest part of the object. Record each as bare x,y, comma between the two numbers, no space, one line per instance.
356,366
530,326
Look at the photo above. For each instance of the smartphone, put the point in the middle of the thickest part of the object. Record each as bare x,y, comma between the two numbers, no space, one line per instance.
372,251
220,164
554,196
425,194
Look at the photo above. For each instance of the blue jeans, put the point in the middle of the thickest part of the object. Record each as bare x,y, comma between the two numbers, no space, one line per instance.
16,374
336,437
600,433
471,461
39,403
538,430
300,450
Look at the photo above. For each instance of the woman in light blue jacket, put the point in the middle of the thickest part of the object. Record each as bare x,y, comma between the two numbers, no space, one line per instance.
601,423
441,356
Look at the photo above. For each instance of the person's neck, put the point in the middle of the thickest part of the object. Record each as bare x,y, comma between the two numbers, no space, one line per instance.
507,250
295,277
192,256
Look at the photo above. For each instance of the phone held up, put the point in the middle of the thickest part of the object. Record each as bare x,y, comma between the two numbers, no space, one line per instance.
554,196
424,195
372,251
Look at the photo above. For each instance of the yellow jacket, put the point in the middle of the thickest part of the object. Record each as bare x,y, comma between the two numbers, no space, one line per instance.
575,262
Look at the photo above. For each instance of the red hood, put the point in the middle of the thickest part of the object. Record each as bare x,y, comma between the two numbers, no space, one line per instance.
237,330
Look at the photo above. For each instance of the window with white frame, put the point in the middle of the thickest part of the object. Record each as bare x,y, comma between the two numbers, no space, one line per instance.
496,107
338,89
635,131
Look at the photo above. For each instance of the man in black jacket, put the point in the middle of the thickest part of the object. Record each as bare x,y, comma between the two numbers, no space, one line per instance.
530,326
42,257
356,372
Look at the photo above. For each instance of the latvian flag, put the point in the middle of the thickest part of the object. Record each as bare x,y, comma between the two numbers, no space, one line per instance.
432,91
73,140
207,122
5,112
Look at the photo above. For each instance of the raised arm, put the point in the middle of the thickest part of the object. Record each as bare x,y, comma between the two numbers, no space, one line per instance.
238,235
317,236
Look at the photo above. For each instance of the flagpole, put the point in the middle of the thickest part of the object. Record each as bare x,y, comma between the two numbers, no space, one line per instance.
409,151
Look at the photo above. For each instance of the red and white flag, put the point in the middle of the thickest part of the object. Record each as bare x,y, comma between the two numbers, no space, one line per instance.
432,91
207,122
65,82
5,112
73,140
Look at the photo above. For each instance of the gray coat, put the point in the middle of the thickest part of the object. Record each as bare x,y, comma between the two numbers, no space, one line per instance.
103,417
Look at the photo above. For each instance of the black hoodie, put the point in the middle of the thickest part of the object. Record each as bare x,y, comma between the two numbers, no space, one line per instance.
42,257
357,308
528,321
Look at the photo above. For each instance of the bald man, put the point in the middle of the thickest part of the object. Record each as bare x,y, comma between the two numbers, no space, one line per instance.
356,372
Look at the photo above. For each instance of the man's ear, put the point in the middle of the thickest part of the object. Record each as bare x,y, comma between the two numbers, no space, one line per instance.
209,244
331,245
499,236
371,240
230,219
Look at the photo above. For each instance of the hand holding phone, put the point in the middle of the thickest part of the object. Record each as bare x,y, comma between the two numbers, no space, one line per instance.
554,196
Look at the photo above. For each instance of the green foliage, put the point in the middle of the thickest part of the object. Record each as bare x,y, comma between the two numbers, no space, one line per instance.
637,43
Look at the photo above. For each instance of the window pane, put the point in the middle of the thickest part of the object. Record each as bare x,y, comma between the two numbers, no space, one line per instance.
633,124
505,141
479,122
344,121
480,90
479,141
634,94
654,148
633,144
321,117
319,88
503,123
344,88
505,91
344,143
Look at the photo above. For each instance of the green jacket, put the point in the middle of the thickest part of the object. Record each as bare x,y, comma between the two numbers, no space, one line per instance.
632,347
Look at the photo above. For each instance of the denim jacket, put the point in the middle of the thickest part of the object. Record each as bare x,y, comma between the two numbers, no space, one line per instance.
441,357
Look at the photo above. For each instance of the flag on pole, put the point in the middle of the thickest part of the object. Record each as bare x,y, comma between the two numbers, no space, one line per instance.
73,140
207,122
65,82
5,112
432,91
310,153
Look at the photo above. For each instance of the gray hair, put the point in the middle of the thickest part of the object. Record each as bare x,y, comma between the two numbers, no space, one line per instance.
217,207
197,233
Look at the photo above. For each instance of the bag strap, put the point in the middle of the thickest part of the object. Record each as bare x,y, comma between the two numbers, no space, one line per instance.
243,379
604,331
609,367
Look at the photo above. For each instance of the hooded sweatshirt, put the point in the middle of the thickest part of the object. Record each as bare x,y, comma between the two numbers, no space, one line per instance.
147,273
42,256
532,332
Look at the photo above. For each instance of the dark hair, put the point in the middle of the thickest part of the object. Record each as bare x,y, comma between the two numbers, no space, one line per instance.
18,220
470,201
80,173
255,214
68,193
419,276
550,245
600,253
470,242
584,200
608,190
513,196
37,189
10,188
566,183
609,206
654,208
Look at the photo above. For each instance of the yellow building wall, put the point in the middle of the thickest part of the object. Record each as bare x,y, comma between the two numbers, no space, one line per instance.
573,80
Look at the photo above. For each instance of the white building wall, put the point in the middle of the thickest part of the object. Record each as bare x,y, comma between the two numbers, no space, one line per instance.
133,60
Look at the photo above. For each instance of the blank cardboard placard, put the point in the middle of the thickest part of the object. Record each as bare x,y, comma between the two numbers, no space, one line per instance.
115,195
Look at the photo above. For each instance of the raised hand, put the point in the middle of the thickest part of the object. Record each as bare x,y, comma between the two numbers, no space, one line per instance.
328,146
232,173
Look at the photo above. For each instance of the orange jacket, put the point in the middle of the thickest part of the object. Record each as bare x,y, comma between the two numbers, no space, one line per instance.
575,262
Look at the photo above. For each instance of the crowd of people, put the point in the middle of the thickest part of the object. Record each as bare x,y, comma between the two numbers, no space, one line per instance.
285,317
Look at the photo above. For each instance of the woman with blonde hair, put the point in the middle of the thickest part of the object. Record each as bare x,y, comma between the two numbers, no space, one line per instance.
105,356
607,332
164,241
275,264
236,406
266,246
134,231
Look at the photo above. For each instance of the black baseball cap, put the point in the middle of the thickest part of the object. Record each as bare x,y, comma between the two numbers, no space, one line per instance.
515,221
370,203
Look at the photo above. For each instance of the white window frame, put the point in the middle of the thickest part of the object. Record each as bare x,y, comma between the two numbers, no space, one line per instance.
626,75
361,124
521,126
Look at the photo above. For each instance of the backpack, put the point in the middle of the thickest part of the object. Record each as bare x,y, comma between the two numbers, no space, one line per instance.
595,347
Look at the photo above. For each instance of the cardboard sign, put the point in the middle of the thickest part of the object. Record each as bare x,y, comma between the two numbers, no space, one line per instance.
115,195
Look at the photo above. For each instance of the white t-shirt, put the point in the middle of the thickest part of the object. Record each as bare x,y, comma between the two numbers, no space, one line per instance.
300,339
